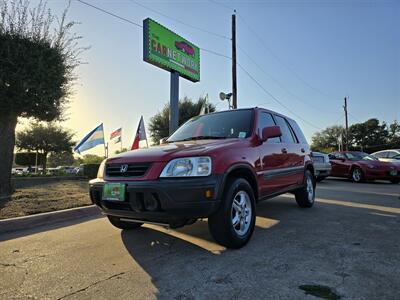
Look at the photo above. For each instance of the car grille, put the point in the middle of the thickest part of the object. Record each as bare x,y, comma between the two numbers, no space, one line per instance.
318,159
129,170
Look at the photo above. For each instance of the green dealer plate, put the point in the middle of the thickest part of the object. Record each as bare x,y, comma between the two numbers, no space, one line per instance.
393,172
114,191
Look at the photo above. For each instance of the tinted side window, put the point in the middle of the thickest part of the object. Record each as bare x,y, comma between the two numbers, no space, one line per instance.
300,136
287,136
391,154
381,155
266,120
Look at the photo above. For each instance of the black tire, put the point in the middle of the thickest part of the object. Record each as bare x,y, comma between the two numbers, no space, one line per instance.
320,178
357,175
221,224
305,196
395,181
122,224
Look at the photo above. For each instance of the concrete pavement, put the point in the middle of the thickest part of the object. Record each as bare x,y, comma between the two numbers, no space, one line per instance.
349,241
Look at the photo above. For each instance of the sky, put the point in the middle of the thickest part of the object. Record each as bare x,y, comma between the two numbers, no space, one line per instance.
307,54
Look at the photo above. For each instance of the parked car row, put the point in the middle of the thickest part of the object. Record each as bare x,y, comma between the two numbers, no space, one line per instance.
358,166
49,171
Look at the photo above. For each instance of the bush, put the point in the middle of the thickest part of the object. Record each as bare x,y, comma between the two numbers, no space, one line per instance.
90,170
28,158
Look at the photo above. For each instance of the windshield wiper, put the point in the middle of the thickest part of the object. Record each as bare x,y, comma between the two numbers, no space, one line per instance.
202,137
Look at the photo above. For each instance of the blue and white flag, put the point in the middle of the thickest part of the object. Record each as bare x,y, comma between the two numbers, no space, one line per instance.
94,138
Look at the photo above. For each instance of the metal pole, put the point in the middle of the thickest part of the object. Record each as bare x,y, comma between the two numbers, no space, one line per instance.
174,103
347,123
234,83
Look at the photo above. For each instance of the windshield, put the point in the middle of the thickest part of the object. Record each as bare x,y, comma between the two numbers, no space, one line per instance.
227,124
359,156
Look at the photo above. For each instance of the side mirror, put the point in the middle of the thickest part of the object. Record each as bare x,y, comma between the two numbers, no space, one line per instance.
163,141
271,132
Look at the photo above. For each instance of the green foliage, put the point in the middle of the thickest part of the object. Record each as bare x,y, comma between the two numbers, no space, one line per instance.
159,123
28,158
65,158
369,136
45,138
90,170
36,63
328,139
89,159
121,151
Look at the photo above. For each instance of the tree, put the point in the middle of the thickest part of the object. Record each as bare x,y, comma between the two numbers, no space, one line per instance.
159,123
37,62
327,140
369,134
45,139
28,159
56,159
121,150
89,159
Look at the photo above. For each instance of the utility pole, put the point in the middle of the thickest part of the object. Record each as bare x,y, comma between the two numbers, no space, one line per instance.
234,83
347,123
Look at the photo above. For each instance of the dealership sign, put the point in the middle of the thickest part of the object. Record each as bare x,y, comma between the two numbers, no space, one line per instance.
169,51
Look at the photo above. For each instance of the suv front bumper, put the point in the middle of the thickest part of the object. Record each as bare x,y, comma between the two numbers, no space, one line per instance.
163,200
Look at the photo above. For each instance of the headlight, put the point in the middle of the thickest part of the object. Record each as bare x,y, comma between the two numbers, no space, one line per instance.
371,166
100,172
188,167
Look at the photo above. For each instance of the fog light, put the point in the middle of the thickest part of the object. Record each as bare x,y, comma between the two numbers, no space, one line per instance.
209,193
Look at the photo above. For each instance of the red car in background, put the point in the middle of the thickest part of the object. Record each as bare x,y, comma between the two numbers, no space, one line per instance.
185,47
360,166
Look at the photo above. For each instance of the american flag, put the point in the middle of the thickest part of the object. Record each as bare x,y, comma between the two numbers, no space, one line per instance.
116,133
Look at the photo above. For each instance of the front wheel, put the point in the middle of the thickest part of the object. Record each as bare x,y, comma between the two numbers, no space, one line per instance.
357,175
305,196
233,224
122,224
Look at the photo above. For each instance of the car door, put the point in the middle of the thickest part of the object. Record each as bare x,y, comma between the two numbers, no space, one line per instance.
271,157
339,165
292,167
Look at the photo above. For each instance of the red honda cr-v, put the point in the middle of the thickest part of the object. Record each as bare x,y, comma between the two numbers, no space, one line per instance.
215,166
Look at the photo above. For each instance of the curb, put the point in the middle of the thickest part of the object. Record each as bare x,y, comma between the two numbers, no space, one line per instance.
27,222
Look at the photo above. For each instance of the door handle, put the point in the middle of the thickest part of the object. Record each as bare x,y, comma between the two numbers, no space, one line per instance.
284,150
302,150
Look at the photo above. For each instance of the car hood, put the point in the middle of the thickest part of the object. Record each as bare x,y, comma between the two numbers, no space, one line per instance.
170,151
377,163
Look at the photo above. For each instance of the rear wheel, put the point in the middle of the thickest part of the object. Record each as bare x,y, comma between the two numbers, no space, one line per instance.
305,196
233,224
357,175
395,181
123,224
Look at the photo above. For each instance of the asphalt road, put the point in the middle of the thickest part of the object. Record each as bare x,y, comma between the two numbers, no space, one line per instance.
348,242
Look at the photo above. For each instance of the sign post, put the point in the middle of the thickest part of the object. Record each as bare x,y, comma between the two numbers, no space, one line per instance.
174,103
169,51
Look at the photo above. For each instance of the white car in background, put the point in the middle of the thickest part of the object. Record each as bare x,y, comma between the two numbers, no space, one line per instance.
322,165
391,155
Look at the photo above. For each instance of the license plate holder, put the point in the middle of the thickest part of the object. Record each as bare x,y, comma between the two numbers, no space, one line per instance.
114,192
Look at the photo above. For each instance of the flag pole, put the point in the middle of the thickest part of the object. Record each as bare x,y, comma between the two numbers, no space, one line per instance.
121,140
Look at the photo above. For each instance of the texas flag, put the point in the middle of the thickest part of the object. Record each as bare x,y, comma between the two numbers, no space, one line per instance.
140,135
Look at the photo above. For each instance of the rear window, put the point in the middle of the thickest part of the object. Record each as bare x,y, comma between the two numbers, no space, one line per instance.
287,135
299,134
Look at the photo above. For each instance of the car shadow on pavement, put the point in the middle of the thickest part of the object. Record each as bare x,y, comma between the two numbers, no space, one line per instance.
43,228
179,259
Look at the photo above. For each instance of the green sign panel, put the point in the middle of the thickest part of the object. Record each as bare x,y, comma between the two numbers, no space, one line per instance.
169,51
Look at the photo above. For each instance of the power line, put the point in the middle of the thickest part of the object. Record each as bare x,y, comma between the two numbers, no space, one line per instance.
110,13
181,22
279,59
136,24
276,99
278,82
222,5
